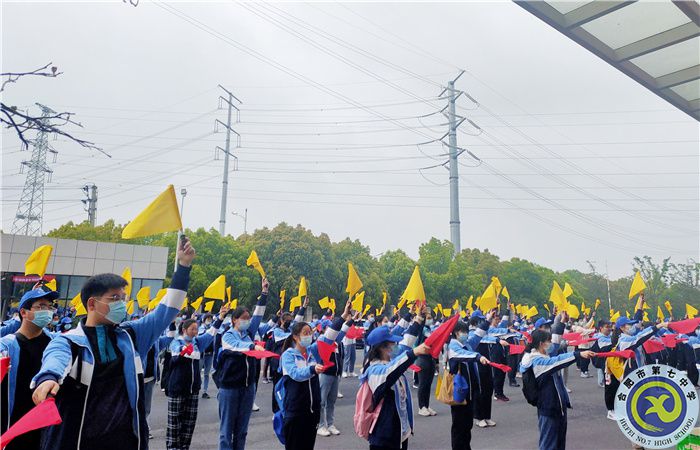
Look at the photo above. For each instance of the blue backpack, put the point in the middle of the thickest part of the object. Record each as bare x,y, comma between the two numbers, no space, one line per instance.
278,418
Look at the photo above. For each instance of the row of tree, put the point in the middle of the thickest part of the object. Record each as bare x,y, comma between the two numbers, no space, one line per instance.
287,253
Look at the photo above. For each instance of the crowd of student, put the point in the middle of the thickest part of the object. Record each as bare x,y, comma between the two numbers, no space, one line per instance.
102,369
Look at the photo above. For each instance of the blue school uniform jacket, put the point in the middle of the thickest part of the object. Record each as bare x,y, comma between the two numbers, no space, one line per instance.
185,377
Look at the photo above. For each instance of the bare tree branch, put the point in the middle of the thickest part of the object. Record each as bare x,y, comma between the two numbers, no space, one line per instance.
40,72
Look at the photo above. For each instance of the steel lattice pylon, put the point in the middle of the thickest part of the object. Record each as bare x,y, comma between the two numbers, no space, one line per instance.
28,220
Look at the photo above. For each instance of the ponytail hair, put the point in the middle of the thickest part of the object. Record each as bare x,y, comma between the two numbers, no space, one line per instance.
296,331
538,337
373,354
185,324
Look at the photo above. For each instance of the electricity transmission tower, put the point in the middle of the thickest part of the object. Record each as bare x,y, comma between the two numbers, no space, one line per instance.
229,99
28,220
90,202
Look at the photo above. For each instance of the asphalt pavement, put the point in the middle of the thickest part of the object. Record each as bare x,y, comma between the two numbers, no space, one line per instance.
516,421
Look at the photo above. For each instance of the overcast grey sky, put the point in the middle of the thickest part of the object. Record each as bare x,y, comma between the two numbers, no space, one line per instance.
579,161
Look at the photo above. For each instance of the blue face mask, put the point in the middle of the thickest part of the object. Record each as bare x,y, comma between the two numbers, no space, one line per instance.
463,338
117,312
305,341
429,322
42,318
243,325
54,322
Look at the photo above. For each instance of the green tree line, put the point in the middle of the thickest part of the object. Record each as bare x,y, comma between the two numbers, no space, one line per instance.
289,252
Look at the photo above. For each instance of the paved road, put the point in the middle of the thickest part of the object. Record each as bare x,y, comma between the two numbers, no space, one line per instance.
516,422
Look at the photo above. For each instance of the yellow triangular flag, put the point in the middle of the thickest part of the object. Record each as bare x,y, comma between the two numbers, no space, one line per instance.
228,294
567,291
78,305
556,296
234,304
597,304
690,311
505,293
668,306
208,306
255,262
156,300
615,316
161,216
377,311
143,296
354,283
435,310
573,311
130,307
332,305
414,290
358,301
303,287
217,289
197,303
455,305
283,294
401,303
637,285
447,312
126,274
546,306
294,303
324,302
367,307
52,285
38,261
497,285
489,298
439,307
184,304
659,313
469,303
646,317
384,298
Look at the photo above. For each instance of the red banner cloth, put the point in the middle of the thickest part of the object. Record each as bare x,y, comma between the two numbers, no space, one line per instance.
653,346
414,368
43,415
260,354
581,342
187,350
516,349
355,332
620,354
501,367
670,340
527,336
4,367
325,350
571,336
438,337
685,326
260,343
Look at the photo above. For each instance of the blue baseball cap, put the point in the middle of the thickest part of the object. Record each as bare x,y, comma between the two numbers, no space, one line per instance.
382,334
622,321
542,321
478,313
30,297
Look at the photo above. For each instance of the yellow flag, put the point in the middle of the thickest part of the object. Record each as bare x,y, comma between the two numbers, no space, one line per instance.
546,306
646,317
637,285
377,311
159,296
234,303
354,282
208,306
367,307
556,296
228,294
455,305
126,274
567,291
197,303
384,298
216,289
469,303
294,303
690,311
497,284
52,285
573,311
659,313
184,304
597,304
332,305
447,312
143,296
583,306
615,316
38,261
324,302
283,294
627,314
489,298
463,314
435,310
358,301
588,311
303,287
439,307
414,290
255,262
130,307
505,293
78,305
668,306
401,303
532,312
161,216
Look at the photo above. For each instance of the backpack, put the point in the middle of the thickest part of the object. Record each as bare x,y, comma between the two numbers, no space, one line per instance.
365,417
278,418
530,390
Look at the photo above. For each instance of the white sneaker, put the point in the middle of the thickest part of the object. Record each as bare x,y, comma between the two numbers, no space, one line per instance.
323,431
423,412
611,415
334,431
256,407
481,424
345,374
432,411
340,395
568,390
415,386
353,374
490,423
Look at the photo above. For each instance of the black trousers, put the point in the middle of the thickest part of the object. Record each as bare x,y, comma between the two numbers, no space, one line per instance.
404,446
462,422
300,432
513,361
425,381
498,355
482,401
610,391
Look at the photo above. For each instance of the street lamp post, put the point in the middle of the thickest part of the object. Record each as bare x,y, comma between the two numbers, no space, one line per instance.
183,193
243,216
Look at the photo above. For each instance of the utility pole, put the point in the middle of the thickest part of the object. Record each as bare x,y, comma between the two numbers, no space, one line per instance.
91,202
454,165
245,220
30,211
607,280
227,152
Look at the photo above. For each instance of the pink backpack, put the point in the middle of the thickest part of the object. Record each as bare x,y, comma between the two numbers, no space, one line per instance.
365,417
